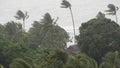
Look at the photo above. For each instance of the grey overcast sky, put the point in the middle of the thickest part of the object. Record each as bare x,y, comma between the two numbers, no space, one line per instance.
83,10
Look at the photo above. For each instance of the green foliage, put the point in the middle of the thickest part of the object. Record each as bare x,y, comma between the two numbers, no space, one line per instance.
48,58
19,63
47,34
81,61
12,31
111,60
99,36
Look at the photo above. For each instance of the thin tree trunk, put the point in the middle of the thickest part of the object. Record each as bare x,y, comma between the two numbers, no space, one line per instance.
23,24
73,24
116,18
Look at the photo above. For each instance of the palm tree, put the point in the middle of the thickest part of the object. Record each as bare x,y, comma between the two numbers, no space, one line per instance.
66,4
113,11
111,60
47,34
22,16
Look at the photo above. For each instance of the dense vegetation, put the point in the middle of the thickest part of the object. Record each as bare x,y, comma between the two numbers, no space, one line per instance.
45,44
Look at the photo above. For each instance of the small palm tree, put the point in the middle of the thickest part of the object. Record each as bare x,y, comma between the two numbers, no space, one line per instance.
22,16
113,11
66,4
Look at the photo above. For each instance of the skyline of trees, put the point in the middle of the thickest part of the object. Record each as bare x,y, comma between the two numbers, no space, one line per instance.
45,44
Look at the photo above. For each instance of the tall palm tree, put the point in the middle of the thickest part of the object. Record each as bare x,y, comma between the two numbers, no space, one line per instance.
22,16
111,60
112,10
66,4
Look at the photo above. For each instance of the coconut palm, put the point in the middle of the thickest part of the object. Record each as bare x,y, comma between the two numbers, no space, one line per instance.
112,10
47,34
111,60
22,16
66,4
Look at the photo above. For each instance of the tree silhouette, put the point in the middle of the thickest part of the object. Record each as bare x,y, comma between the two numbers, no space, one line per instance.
66,4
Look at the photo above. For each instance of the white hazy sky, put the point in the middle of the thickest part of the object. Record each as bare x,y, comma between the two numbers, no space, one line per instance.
83,10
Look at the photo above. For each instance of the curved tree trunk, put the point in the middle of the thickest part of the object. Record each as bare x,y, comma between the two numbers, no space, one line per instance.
73,24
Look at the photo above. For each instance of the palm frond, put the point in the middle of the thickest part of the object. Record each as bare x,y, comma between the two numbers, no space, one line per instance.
18,17
108,10
65,4
20,13
110,13
111,7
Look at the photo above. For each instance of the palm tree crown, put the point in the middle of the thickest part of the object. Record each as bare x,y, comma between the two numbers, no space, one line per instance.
65,4
22,16
112,10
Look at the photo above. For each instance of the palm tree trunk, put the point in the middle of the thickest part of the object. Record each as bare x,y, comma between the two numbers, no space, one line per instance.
23,24
116,18
73,24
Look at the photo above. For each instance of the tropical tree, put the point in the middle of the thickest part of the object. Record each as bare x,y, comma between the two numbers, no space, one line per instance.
99,36
12,31
22,16
113,11
66,4
48,58
47,34
111,60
